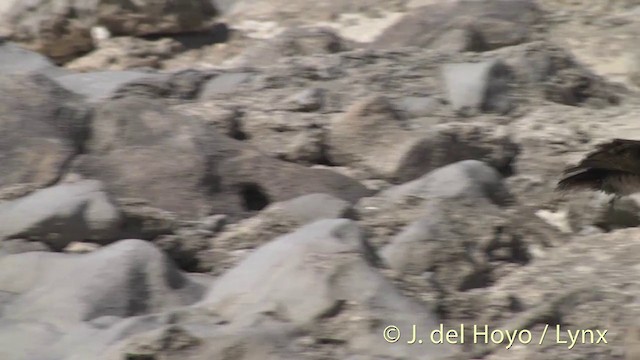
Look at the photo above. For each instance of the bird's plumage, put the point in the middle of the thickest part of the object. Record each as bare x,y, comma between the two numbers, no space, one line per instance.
613,167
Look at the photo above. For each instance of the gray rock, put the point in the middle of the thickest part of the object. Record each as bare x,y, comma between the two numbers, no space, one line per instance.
600,212
468,178
332,267
307,147
432,241
180,85
466,25
478,87
142,221
418,106
20,61
18,246
99,85
213,223
124,52
271,341
224,83
306,100
51,33
372,134
26,340
309,208
294,41
188,248
135,278
62,214
275,220
43,127
139,145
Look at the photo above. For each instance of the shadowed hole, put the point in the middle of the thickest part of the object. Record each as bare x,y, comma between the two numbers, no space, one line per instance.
254,198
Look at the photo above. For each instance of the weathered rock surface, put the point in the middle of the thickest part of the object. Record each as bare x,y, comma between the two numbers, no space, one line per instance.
60,300
373,134
139,146
19,61
280,218
62,29
328,168
99,85
465,25
293,42
61,214
329,254
469,178
123,53
43,127
474,87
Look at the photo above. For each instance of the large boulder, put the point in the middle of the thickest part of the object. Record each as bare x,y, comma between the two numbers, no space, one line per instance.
466,25
142,149
42,128
135,279
16,60
61,305
463,179
275,220
373,134
61,214
321,275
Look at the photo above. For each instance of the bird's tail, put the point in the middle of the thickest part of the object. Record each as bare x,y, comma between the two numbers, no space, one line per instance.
580,178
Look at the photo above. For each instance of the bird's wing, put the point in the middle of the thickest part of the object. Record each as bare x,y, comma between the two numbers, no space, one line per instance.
617,157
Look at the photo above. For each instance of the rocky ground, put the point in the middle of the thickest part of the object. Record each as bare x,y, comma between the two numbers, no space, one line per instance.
176,176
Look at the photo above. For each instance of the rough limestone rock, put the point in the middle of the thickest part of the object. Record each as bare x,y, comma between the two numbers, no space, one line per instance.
99,85
268,340
139,145
381,149
465,25
62,301
62,214
275,220
202,160
594,280
335,279
19,61
224,83
302,41
457,240
478,87
42,128
468,178
61,29
374,135
17,246
188,248
123,53
135,278
142,221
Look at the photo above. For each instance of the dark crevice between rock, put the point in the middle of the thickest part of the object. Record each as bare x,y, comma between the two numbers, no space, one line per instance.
515,246
479,279
218,33
324,158
130,356
236,130
74,122
334,310
253,197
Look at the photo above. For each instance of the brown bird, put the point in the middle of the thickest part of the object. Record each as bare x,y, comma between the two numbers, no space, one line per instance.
613,168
